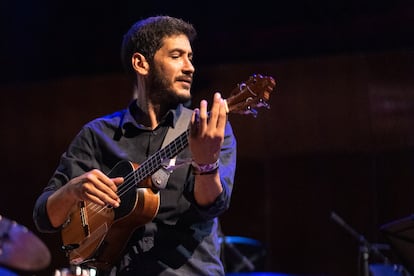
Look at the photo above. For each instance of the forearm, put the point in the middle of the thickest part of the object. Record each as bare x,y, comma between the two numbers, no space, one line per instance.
59,205
207,188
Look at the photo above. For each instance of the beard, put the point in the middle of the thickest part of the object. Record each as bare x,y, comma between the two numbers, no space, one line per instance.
162,92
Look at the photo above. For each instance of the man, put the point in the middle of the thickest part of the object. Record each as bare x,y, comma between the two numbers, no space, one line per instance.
180,236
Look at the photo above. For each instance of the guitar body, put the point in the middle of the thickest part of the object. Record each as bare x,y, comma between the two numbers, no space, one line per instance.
96,235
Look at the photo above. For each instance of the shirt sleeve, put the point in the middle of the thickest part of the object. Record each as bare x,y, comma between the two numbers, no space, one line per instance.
70,165
227,169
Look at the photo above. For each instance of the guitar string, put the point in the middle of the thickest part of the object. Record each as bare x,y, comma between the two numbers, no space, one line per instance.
155,162
145,170
134,177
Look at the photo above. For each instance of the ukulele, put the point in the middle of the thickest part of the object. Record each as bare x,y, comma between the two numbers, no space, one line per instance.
95,235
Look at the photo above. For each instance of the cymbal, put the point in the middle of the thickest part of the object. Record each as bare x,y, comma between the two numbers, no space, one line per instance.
20,248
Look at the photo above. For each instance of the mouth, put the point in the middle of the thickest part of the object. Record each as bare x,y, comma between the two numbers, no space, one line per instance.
186,82
185,79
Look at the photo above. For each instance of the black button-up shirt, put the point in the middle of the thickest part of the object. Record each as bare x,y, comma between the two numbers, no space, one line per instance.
182,239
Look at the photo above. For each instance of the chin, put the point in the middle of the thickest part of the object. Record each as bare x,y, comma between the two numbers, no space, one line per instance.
184,95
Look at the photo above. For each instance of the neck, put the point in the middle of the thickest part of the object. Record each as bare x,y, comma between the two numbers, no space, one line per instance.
153,111
150,116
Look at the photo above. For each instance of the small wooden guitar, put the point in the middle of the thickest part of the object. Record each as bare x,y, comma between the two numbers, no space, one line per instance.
95,236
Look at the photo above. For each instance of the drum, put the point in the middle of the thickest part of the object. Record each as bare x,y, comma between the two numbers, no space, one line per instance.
75,271
387,270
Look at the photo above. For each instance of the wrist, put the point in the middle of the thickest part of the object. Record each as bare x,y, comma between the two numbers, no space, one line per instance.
201,169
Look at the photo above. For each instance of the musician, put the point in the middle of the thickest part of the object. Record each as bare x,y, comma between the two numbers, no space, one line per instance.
181,238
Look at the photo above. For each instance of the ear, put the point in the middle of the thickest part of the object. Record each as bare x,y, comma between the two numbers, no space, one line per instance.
140,64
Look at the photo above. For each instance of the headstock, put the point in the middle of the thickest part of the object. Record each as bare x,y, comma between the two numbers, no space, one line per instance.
252,94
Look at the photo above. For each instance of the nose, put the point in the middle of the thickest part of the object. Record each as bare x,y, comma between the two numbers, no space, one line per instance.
188,66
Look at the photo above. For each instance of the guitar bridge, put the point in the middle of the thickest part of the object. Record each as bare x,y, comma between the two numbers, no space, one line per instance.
84,219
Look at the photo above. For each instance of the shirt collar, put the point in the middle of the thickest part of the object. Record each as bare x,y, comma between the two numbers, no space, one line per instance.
133,111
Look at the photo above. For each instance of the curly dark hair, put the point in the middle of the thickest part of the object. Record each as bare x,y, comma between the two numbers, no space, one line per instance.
146,37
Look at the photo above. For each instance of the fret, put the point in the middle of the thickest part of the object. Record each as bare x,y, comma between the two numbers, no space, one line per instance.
155,161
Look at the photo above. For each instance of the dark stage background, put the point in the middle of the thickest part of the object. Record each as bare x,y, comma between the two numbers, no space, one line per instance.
338,138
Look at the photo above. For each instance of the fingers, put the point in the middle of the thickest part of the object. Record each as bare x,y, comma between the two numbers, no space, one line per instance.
216,118
220,112
222,119
195,123
215,109
95,186
207,130
203,117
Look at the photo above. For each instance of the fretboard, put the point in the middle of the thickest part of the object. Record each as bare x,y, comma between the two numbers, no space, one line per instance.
156,160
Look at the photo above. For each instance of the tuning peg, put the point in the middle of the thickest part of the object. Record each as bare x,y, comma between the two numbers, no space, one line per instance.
252,111
262,103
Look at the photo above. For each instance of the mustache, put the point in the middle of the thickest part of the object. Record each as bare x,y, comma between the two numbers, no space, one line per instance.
185,78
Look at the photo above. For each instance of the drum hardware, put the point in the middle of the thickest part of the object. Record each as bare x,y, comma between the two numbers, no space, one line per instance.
366,249
243,260
241,254
400,235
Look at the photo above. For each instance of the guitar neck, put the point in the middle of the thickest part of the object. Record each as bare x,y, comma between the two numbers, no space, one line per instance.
155,161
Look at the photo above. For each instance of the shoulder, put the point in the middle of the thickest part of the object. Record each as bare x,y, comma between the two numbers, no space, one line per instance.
112,120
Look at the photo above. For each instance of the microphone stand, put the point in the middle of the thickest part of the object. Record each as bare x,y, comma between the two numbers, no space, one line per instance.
365,247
